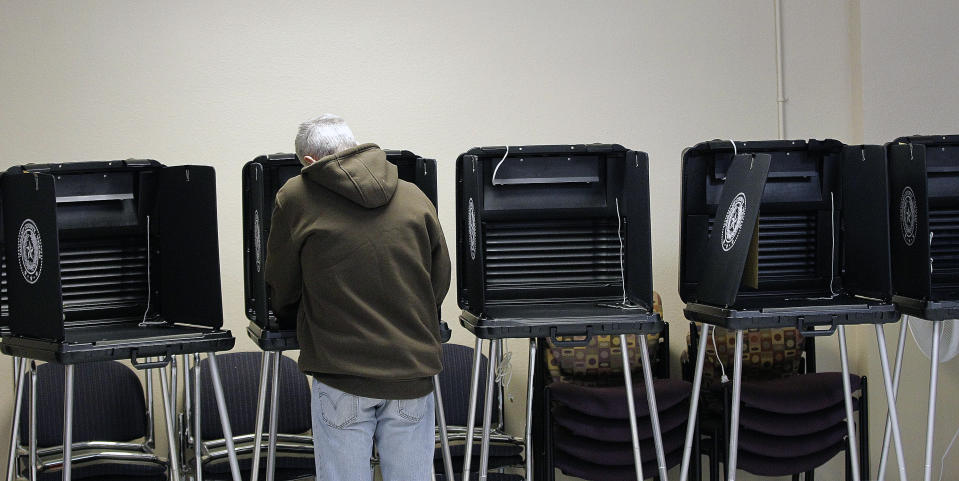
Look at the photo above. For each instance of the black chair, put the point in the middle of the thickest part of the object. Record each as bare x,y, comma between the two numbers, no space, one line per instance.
112,434
240,374
793,420
505,450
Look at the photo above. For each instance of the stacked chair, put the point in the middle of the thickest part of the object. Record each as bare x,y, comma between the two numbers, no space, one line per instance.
587,433
240,371
793,419
505,450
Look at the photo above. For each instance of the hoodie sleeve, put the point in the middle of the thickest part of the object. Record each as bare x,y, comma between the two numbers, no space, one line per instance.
283,266
441,268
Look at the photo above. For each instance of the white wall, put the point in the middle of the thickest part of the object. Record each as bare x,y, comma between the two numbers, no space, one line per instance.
221,82
910,66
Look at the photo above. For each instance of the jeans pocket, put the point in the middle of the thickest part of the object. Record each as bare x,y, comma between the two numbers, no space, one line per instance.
338,409
413,410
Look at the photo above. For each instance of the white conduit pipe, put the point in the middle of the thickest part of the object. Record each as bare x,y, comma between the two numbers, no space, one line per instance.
780,98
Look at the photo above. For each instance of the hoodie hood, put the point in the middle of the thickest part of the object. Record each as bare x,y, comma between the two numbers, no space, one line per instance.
360,174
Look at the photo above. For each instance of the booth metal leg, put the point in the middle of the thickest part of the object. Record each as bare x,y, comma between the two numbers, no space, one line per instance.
19,365
631,408
224,416
187,426
488,411
734,409
900,350
260,409
444,432
892,418
151,412
529,410
471,410
847,396
33,421
274,412
694,405
197,434
68,422
168,415
933,389
653,409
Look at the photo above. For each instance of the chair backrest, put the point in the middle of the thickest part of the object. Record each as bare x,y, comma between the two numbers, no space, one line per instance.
600,362
108,404
240,376
455,385
767,353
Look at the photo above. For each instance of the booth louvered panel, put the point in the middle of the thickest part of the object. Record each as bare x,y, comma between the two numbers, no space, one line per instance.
944,248
102,275
551,253
787,246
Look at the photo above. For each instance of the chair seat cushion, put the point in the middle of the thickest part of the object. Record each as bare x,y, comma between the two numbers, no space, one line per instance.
614,454
573,466
610,402
769,466
617,430
489,477
797,394
790,446
285,461
496,448
106,469
777,424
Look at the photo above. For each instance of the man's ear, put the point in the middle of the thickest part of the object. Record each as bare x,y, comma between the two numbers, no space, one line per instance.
309,160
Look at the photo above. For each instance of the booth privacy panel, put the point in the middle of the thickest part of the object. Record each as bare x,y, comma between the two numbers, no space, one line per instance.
189,247
33,282
865,222
93,221
560,232
262,178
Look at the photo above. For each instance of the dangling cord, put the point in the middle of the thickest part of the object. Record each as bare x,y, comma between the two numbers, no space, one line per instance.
735,152
619,236
504,372
144,322
496,169
722,367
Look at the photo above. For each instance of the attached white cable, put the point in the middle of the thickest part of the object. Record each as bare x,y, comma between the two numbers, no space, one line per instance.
735,151
144,322
832,261
942,464
504,372
722,367
496,169
619,235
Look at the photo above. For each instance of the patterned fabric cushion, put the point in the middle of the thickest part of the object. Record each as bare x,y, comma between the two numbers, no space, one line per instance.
600,363
767,354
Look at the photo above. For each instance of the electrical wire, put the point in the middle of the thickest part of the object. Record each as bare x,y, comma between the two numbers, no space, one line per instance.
149,283
722,367
619,235
496,169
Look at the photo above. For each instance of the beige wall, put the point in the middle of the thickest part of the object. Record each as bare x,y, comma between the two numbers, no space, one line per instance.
221,82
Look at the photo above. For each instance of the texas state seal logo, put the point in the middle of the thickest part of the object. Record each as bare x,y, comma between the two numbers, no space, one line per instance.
908,213
30,251
733,223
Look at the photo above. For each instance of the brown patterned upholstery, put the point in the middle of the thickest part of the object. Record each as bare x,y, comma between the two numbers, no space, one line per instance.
767,353
600,362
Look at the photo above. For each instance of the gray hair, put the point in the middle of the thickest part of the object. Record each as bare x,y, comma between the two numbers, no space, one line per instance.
322,136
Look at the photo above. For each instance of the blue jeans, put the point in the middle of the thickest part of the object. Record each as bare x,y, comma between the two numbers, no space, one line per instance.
345,428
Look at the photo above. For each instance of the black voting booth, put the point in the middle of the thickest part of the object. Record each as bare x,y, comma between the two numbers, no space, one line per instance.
112,260
924,238
553,242
262,178
784,234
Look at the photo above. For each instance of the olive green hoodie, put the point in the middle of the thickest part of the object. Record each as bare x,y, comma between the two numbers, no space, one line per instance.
358,256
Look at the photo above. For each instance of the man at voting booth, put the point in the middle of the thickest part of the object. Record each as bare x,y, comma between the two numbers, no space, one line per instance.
359,258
